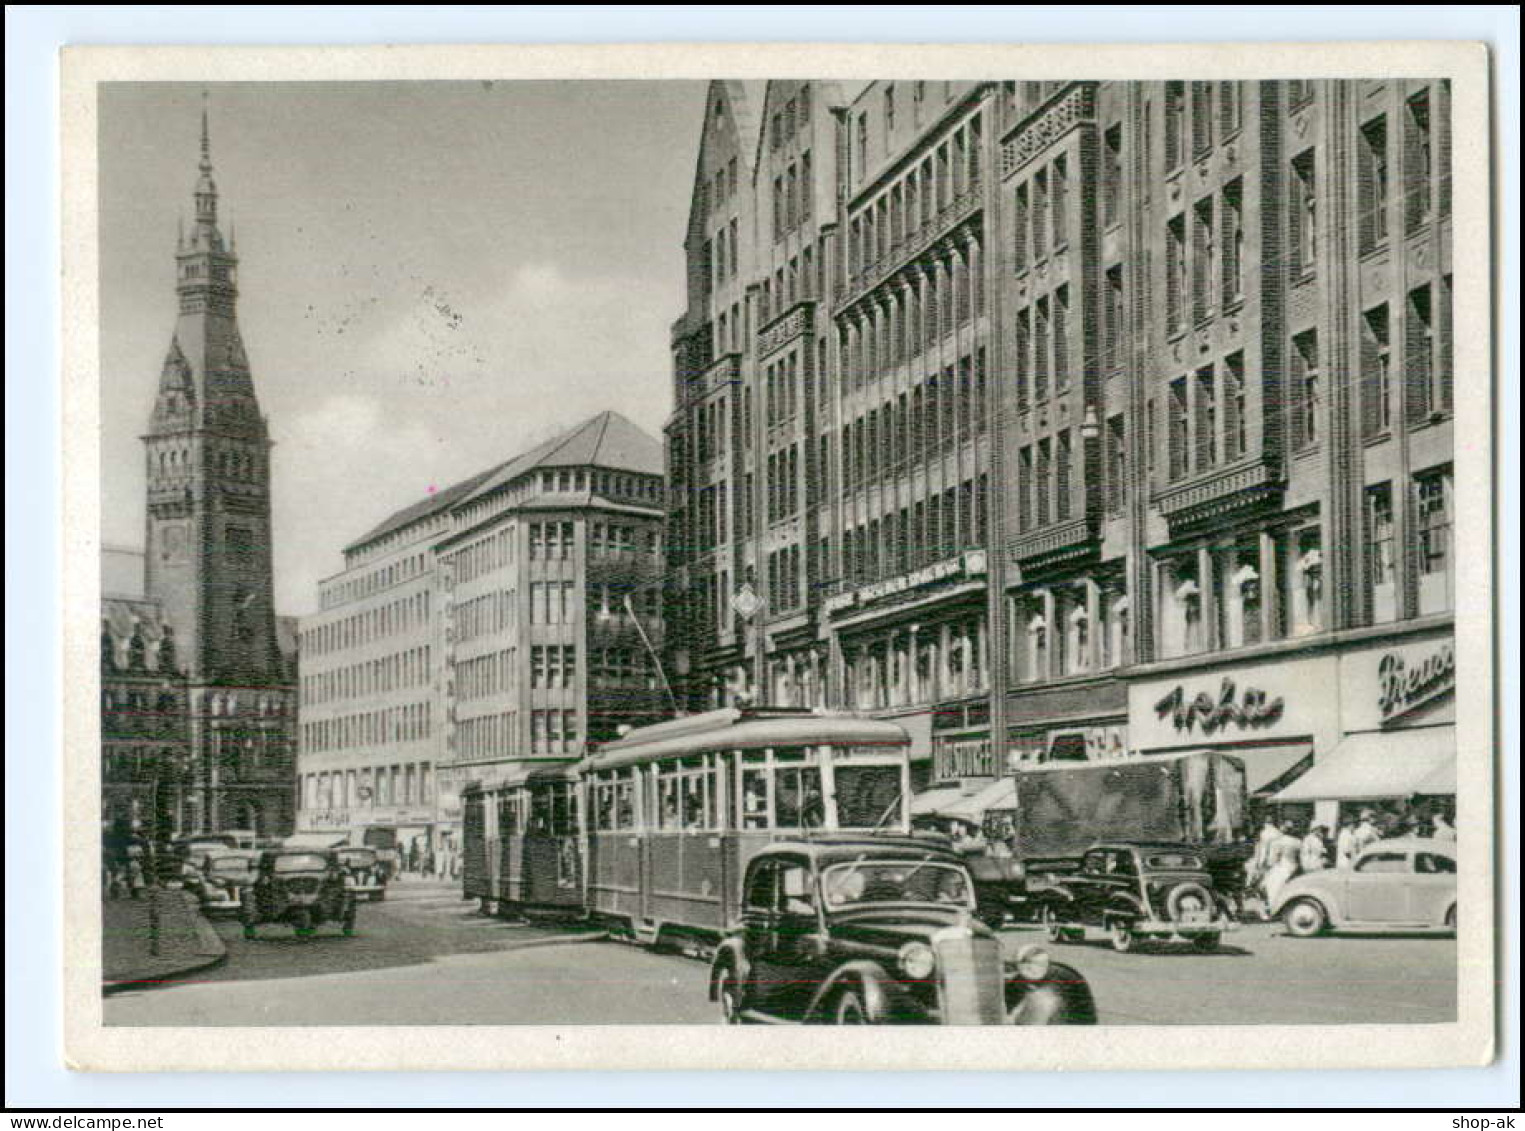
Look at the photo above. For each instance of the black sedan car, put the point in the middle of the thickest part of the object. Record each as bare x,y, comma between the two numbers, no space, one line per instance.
302,888
1138,890
879,930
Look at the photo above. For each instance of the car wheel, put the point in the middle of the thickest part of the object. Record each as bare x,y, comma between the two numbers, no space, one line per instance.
849,1010
728,993
1305,918
1206,943
1051,927
348,923
1123,938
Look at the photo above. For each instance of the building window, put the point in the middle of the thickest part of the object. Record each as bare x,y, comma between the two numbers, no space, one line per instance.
1230,108
1432,518
1062,338
1308,583
1381,564
1111,174
1179,425
1181,604
1201,118
1117,463
1019,229
1305,389
1040,214
1376,374
1062,461
1061,191
1175,116
1025,489
1207,419
1023,355
1232,242
1373,184
1043,486
1418,163
1175,275
1113,319
1203,260
1235,410
1040,351
1304,215
1429,384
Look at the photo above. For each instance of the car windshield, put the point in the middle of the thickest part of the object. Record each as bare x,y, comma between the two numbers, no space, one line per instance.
358,857
228,866
1174,860
306,862
895,881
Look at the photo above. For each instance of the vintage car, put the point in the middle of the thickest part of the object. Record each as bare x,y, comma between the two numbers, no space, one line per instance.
1136,890
1403,884
859,931
302,887
223,880
367,875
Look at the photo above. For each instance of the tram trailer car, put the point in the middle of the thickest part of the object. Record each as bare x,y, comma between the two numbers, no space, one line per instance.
522,848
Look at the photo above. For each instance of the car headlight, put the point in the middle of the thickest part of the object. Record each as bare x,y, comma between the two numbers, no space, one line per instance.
917,961
1033,963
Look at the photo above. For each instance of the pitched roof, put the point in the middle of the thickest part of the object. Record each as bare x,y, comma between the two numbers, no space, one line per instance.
606,440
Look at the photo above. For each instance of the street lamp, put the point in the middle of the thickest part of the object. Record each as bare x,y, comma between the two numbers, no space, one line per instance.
1090,427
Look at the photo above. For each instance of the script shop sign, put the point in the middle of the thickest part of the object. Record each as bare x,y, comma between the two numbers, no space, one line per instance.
1240,703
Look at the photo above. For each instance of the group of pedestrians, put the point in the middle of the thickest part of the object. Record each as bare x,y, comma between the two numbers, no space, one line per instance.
1284,850
424,861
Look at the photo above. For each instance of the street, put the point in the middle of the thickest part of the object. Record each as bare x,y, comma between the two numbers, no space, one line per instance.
425,957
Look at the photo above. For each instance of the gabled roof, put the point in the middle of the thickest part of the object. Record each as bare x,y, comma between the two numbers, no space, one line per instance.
607,440
422,509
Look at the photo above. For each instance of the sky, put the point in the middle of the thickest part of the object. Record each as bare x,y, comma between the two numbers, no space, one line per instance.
433,277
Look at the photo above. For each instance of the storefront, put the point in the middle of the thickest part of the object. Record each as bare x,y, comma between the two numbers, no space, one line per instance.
1320,732
1076,721
1397,750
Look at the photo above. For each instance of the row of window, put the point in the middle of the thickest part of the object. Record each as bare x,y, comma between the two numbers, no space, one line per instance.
801,279
902,668
480,676
402,615
791,119
1041,214
373,581
915,201
917,535
792,192
921,421
784,578
1208,413
902,321
1055,635
405,722
407,668
1203,120
1209,259
410,783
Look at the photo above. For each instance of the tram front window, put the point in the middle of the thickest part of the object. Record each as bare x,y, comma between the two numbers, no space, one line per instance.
868,797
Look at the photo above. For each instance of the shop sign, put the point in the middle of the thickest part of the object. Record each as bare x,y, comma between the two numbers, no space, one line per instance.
320,820
1402,688
965,565
964,758
1251,707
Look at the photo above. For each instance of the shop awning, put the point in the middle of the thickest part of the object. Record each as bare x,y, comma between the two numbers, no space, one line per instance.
1441,782
935,801
1269,768
999,794
1380,765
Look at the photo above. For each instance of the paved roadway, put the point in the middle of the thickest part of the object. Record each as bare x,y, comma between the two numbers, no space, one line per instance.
423,956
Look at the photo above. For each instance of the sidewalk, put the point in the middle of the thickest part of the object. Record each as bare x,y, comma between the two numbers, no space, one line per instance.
186,942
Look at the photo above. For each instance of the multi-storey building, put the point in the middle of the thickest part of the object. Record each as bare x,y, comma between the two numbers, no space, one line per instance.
209,571
1133,423
512,617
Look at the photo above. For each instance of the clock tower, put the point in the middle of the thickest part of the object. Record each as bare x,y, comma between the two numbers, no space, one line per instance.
208,546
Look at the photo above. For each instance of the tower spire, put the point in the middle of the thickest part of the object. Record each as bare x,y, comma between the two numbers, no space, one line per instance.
206,188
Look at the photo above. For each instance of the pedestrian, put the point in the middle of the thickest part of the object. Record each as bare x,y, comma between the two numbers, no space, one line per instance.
1286,851
1345,844
1314,854
1442,829
1366,831
1260,861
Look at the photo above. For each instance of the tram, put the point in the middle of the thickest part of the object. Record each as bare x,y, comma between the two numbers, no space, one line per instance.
652,834
675,811
522,849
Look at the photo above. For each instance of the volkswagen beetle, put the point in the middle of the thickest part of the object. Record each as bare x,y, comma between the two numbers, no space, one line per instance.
1402,884
856,931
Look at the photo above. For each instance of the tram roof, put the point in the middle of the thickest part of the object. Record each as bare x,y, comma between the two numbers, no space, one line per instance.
736,729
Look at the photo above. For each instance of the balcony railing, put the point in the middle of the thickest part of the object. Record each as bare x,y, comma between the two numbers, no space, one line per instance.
906,249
